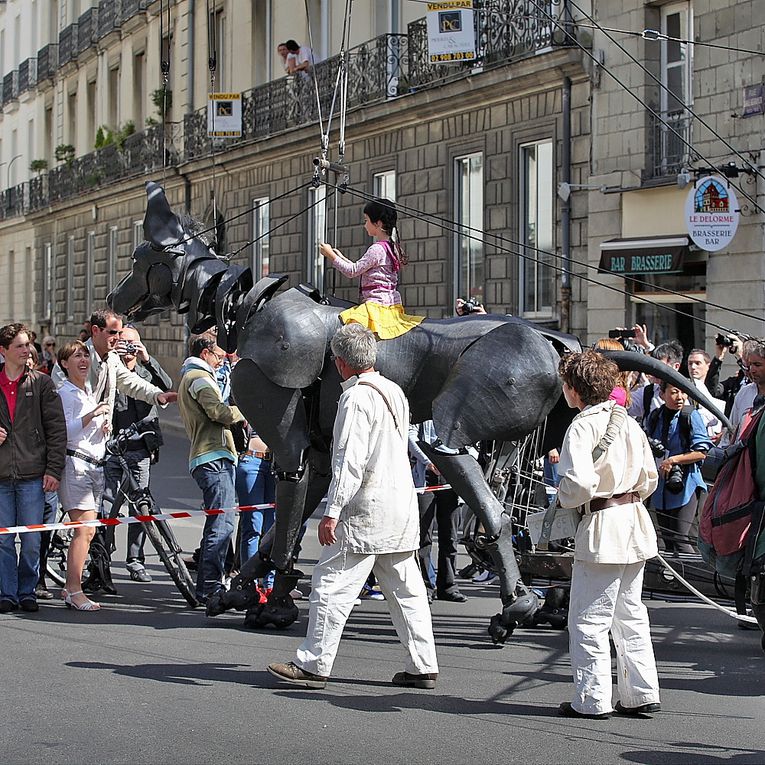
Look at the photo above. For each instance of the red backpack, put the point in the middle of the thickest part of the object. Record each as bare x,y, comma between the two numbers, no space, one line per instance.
726,519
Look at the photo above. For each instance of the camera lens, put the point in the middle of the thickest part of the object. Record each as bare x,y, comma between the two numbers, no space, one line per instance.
674,483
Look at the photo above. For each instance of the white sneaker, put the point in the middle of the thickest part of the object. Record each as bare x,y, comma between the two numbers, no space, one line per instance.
484,576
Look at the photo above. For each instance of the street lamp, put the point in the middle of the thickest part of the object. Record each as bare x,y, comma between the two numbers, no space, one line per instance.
10,163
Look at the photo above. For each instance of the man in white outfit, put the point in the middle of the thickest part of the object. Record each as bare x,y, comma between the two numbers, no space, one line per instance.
608,480
371,523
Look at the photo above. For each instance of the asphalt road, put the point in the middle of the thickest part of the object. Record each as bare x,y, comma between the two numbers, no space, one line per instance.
147,680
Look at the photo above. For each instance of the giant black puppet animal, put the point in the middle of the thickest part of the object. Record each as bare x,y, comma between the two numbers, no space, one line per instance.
478,378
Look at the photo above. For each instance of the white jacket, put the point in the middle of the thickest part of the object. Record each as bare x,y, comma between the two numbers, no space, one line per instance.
372,493
618,534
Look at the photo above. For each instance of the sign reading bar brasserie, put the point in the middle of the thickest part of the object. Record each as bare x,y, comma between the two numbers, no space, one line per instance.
451,34
652,255
712,214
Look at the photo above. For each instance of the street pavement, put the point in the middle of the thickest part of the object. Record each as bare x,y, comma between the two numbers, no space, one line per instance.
148,680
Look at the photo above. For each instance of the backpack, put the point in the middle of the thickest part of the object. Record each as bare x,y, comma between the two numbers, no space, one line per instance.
726,520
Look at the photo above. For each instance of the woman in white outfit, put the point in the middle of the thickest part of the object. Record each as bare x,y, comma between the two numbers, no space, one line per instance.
607,482
82,484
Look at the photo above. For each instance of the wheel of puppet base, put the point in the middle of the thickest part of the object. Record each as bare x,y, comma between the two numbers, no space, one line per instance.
499,631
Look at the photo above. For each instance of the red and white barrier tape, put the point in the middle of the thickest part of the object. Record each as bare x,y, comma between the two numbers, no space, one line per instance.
179,515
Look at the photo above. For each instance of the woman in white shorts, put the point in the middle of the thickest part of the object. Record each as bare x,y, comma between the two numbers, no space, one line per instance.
87,426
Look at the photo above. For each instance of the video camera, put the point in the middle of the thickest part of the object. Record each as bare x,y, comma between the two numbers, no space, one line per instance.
617,334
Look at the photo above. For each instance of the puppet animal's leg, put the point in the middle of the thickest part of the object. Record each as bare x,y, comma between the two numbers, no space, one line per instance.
297,495
464,474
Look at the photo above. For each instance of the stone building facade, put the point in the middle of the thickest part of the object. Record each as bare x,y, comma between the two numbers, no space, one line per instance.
643,171
517,175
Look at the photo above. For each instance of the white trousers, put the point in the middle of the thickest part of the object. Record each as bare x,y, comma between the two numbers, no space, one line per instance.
607,596
337,580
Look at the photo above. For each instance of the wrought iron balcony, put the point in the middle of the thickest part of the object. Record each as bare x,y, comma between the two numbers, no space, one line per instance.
668,150
131,7
10,86
12,201
27,75
47,61
87,30
109,17
67,44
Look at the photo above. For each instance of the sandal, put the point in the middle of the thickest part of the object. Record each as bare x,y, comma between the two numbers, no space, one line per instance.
88,605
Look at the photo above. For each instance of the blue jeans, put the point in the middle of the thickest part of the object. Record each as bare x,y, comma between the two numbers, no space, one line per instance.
21,503
216,480
254,486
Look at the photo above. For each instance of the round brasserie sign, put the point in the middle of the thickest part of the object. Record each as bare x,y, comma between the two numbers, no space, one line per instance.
711,212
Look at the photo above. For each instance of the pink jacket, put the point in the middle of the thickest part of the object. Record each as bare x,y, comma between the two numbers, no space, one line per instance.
378,271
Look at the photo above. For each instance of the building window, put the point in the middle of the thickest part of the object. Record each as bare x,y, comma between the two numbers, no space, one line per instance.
48,282
70,279
260,258
468,242
137,233
676,69
111,268
90,256
384,185
217,34
537,229
11,287
316,233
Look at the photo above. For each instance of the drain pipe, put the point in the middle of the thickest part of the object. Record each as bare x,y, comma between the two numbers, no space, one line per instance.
565,213
192,58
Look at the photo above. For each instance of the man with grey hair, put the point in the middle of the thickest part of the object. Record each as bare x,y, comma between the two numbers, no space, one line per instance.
752,395
371,523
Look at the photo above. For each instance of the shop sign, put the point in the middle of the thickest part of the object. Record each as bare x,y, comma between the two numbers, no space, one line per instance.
451,33
712,213
618,258
224,115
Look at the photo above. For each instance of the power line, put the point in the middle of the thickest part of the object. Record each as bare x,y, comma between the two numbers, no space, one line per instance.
682,138
687,108
454,227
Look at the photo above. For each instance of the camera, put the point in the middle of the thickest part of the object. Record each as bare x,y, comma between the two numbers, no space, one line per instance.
470,305
675,480
615,334
657,447
128,348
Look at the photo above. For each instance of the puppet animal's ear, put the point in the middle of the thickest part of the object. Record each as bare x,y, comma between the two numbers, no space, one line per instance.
287,339
161,226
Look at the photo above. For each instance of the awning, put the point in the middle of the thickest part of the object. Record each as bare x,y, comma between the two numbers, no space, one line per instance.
630,257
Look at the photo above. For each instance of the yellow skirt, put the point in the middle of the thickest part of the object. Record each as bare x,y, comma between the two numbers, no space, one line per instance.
386,321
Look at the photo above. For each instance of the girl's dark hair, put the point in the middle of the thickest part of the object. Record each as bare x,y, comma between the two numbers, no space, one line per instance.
68,350
383,211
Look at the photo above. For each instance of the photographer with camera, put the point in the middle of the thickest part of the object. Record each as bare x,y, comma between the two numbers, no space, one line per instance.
140,456
678,438
726,389
468,307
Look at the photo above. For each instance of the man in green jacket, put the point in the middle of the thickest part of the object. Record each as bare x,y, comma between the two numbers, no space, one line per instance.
32,454
212,456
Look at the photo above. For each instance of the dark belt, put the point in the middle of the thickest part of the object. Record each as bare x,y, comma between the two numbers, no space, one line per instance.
86,457
260,455
601,503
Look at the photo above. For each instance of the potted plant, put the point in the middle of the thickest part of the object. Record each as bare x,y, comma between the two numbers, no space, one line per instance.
38,165
64,152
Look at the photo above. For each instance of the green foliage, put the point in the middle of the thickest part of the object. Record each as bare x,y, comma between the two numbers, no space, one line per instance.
64,152
105,136
38,165
163,101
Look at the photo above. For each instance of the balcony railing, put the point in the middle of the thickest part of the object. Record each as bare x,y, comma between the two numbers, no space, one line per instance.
131,7
47,61
109,16
10,86
67,45
27,75
87,30
384,67
668,151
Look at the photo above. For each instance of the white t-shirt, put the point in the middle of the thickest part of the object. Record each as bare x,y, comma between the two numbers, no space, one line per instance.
90,440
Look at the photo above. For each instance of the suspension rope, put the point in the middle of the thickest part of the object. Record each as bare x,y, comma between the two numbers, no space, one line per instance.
278,226
164,65
313,69
212,63
664,88
234,217
454,227
641,101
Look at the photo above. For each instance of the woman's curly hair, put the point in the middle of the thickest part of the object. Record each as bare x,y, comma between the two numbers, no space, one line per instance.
590,374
